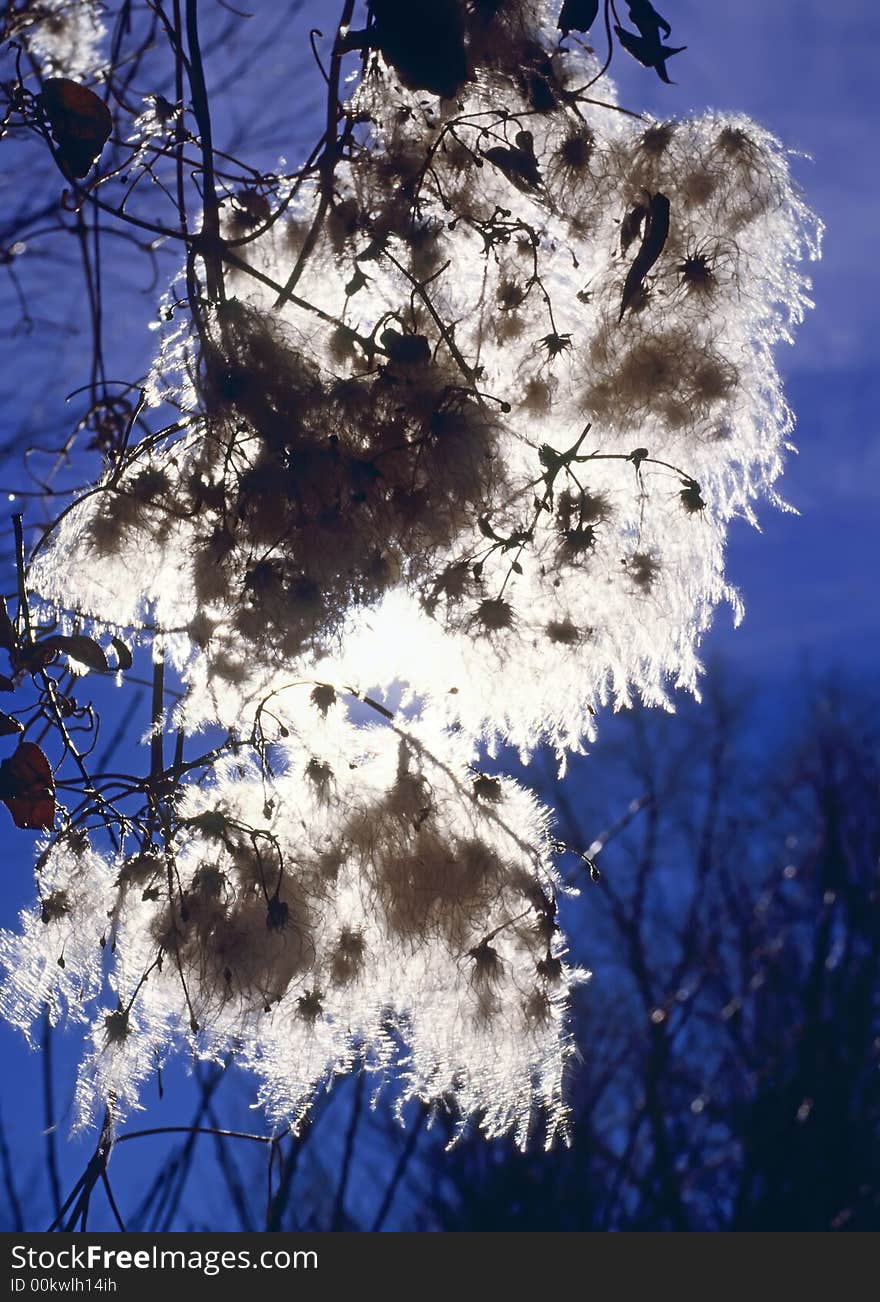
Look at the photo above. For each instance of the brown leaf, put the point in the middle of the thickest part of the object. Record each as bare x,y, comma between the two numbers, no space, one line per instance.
27,787
84,650
80,122
578,15
517,161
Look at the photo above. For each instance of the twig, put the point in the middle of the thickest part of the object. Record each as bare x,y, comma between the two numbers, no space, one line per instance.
9,1181
399,1171
49,1114
348,1153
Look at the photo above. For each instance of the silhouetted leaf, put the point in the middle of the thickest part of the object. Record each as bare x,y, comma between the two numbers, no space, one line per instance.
653,240
124,657
423,43
648,21
27,787
35,656
517,161
323,696
9,725
84,650
578,16
252,208
358,282
650,53
80,123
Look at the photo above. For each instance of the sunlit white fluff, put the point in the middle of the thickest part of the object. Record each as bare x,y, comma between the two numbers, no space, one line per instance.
504,600
375,904
64,36
690,377
55,962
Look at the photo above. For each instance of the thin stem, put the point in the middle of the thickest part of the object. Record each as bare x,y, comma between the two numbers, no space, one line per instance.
49,1114
329,159
23,612
9,1181
193,1130
157,758
348,1154
210,241
399,1171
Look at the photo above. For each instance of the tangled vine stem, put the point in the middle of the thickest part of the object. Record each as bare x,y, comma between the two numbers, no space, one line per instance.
77,1204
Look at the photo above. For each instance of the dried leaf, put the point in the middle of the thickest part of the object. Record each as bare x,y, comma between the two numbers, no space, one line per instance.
423,43
653,241
517,161
124,658
648,21
578,16
80,123
84,650
537,79
649,53
555,344
27,787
